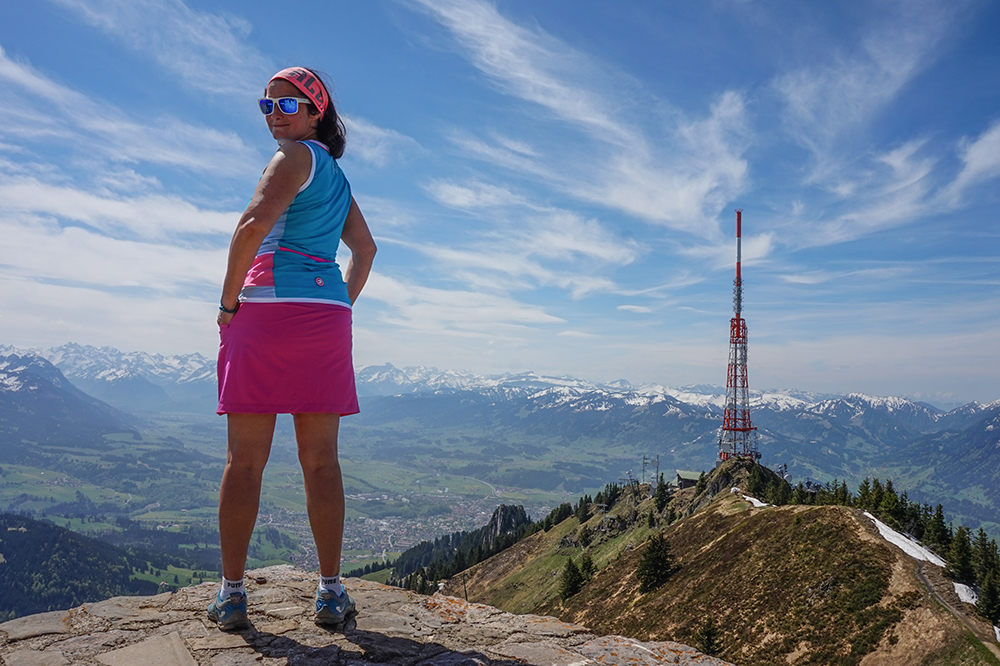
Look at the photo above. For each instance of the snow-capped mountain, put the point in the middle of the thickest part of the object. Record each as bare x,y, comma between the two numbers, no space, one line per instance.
37,403
134,380
390,380
582,428
143,381
109,364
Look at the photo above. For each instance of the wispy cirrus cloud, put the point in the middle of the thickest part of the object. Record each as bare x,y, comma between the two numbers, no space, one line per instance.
107,131
525,245
980,162
212,52
831,103
474,194
529,64
152,218
377,145
679,178
209,52
464,312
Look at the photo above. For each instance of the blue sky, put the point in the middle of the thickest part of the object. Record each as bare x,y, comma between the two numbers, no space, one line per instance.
552,184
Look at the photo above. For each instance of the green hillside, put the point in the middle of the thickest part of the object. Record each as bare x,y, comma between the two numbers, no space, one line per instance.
44,567
800,584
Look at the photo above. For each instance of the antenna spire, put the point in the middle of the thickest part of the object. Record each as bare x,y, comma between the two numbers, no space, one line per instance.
738,438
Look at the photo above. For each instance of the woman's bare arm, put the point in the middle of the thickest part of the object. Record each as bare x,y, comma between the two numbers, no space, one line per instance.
281,181
358,239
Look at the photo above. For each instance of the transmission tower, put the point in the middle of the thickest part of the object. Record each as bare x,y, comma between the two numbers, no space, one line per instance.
738,438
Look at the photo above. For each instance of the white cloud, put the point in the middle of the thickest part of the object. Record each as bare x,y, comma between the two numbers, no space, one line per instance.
473,194
53,314
829,105
376,145
209,52
453,312
38,248
680,177
526,250
101,129
150,218
529,64
638,309
755,249
980,162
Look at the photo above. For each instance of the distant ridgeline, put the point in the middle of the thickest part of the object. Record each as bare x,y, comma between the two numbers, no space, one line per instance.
973,560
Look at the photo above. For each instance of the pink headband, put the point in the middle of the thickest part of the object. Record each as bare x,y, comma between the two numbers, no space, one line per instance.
308,83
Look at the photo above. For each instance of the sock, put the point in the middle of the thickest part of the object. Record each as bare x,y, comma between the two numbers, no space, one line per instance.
231,587
331,584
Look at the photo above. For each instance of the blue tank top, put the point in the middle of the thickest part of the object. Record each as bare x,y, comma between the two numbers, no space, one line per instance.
297,261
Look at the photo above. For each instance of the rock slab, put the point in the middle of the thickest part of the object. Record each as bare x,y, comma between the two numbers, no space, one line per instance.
393,627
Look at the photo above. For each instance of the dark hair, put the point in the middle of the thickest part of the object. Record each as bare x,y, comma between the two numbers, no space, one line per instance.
330,129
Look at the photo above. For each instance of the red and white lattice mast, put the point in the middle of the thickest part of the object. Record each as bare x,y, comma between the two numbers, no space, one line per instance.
738,438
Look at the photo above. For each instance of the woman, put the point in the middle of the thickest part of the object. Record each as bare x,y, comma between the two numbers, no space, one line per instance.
285,325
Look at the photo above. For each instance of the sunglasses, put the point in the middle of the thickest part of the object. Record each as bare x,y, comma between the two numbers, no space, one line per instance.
287,105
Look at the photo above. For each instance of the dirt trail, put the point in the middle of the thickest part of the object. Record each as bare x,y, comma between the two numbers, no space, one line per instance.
988,642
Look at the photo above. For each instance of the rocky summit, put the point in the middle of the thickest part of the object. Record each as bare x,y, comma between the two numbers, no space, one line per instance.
393,626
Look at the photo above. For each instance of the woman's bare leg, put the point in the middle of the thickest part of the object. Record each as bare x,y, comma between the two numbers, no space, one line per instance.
316,436
250,438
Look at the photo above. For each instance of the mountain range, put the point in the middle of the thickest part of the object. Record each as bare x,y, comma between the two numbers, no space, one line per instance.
574,434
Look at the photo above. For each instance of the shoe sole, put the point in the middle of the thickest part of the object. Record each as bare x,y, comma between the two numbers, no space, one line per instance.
331,620
237,620
232,624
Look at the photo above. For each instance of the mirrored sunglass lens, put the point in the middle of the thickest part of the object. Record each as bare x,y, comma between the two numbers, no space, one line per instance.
266,106
288,105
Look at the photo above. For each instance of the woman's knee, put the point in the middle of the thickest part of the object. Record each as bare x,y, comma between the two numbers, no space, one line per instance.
319,465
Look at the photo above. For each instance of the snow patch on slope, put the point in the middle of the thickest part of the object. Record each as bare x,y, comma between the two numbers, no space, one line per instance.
966,593
911,547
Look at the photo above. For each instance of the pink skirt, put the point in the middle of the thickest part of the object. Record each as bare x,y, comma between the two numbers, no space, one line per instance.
287,358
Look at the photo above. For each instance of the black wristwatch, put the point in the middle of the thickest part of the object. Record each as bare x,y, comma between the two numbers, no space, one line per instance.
228,311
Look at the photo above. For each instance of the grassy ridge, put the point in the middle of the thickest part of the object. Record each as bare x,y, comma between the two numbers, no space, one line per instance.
809,584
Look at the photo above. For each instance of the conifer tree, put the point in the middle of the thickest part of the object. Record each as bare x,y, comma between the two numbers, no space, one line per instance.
708,638
700,486
888,509
755,485
843,495
657,564
571,581
989,598
981,556
583,509
799,495
936,532
587,567
876,495
960,557
662,495
864,498
782,494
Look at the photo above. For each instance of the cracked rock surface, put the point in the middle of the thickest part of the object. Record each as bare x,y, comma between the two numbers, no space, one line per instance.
393,627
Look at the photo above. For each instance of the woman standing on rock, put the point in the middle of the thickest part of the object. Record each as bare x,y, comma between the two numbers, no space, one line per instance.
285,327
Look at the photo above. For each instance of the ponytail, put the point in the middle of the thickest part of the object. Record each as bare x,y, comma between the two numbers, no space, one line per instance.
330,129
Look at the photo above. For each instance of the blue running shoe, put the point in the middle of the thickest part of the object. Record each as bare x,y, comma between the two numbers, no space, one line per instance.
333,609
229,613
